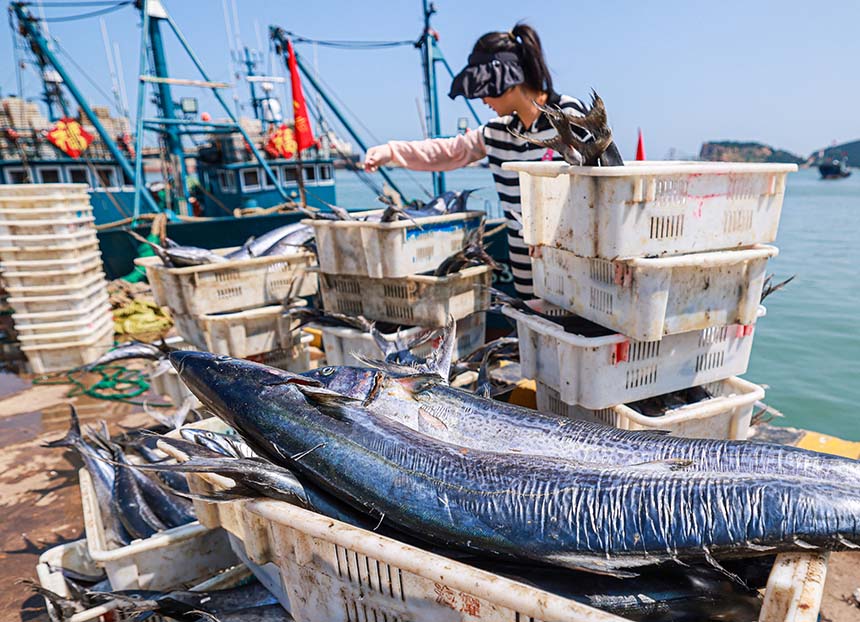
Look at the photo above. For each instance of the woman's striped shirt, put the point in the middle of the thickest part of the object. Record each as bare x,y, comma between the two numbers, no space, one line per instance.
502,146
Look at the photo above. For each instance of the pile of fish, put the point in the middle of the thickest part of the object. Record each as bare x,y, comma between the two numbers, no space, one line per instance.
288,239
477,477
284,240
246,603
132,504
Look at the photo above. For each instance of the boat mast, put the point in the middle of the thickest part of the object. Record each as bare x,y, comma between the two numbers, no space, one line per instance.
431,96
278,35
250,67
172,133
34,35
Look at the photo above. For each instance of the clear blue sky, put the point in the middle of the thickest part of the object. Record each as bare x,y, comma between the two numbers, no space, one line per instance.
781,72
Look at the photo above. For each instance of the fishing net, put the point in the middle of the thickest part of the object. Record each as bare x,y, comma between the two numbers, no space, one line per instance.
113,383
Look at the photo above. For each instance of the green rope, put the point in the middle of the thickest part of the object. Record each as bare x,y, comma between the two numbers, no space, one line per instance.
117,383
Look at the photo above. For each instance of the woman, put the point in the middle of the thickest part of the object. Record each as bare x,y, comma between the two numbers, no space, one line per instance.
507,71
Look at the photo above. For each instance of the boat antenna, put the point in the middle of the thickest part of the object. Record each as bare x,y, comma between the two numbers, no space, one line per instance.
427,45
36,38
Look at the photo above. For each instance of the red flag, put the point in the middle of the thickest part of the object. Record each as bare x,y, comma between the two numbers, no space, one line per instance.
640,147
304,134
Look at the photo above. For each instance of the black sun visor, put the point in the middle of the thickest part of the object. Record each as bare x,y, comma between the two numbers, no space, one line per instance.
488,75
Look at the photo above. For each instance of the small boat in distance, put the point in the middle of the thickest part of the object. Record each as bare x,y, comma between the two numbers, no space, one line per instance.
834,169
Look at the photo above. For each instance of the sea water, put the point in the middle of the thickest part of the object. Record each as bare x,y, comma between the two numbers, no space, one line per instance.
807,350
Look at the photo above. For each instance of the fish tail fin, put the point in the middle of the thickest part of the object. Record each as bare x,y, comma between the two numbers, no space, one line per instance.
73,437
157,248
386,347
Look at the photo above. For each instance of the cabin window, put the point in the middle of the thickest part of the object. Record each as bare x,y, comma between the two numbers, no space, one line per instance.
16,176
267,183
288,174
227,182
325,171
106,176
49,175
78,175
310,173
250,179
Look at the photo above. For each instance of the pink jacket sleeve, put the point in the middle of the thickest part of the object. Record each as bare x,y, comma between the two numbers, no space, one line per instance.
439,154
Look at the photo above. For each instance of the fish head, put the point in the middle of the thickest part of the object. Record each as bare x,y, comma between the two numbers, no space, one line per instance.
225,384
355,382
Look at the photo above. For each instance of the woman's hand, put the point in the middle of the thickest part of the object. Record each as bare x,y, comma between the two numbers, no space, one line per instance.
376,157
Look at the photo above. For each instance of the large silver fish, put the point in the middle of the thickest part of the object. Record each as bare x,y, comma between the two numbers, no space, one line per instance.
275,242
526,506
180,256
464,418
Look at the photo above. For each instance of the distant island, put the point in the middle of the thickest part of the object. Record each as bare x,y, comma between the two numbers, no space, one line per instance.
734,151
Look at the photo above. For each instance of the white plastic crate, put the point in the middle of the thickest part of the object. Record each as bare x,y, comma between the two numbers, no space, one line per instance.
169,384
342,344
390,249
78,324
650,208
22,229
50,248
75,556
296,358
77,308
45,208
646,299
39,282
417,300
727,415
336,572
80,299
599,372
66,266
242,333
185,554
62,355
232,285
28,190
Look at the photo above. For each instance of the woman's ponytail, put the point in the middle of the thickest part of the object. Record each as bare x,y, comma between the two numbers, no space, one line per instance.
525,42
537,74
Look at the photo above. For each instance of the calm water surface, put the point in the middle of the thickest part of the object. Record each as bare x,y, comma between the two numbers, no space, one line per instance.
807,349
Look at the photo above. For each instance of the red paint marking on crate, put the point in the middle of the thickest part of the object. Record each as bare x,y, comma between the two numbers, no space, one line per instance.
621,353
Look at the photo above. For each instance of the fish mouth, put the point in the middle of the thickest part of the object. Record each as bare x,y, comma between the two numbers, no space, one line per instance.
179,359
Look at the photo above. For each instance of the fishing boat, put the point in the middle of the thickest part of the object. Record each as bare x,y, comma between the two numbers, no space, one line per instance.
249,180
835,169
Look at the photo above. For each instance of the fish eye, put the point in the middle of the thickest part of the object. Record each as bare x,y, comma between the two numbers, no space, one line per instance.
327,371
223,357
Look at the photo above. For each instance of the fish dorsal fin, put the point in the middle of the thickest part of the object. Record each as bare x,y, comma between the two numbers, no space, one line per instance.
383,366
439,362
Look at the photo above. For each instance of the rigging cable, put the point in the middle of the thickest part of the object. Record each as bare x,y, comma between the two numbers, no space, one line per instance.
69,18
351,45
83,71
370,133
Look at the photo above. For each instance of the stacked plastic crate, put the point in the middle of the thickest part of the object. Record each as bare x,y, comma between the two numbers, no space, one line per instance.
236,307
656,273
52,271
383,271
